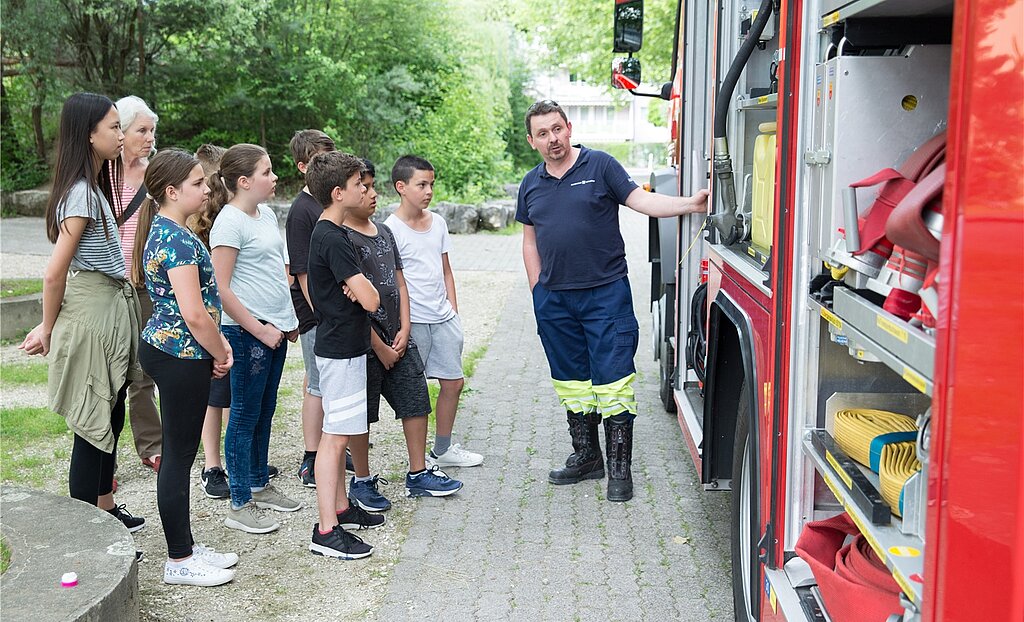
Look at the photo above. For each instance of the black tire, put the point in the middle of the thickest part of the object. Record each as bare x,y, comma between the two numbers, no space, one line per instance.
746,589
666,369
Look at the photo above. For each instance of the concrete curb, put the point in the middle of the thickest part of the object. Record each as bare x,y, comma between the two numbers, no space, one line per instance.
49,536
20,314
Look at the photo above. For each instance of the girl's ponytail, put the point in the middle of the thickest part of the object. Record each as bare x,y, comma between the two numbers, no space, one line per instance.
168,168
238,161
146,212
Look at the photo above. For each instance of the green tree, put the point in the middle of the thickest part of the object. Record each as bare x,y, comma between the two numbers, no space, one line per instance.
578,36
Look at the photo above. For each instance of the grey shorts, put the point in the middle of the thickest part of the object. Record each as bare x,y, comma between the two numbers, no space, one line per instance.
307,339
344,395
403,386
440,347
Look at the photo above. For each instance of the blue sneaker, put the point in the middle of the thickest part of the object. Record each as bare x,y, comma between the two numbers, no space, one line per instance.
431,483
366,495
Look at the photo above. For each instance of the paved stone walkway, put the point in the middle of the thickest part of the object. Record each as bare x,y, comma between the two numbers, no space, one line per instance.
513,547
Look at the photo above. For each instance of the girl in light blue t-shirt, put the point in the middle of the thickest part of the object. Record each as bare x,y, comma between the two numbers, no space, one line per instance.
249,261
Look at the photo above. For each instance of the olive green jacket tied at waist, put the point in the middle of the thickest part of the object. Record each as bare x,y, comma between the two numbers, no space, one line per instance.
94,350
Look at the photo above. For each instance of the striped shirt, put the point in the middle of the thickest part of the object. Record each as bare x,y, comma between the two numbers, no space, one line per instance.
128,229
98,250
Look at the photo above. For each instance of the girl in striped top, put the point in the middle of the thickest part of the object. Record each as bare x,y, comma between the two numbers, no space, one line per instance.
90,324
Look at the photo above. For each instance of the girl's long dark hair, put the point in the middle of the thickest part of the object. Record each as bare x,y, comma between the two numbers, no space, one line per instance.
170,167
81,114
240,160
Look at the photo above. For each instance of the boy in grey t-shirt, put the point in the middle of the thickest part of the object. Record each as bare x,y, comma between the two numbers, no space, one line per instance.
393,368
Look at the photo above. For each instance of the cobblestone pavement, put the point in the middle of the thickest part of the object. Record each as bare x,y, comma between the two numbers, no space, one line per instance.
513,547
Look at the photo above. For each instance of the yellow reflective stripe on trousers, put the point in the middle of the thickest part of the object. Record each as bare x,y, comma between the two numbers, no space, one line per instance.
616,397
576,395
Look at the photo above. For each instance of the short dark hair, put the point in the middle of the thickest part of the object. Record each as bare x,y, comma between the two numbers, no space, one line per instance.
542,107
406,166
307,143
369,168
330,170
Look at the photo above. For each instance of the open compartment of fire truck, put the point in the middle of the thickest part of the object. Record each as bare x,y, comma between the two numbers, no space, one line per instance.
876,95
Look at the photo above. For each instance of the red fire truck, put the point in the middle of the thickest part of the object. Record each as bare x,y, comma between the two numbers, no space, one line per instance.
863,254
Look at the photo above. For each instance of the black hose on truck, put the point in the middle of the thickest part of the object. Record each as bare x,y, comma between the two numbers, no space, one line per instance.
725,220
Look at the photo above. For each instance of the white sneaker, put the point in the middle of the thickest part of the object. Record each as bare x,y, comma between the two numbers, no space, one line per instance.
211,557
193,571
456,456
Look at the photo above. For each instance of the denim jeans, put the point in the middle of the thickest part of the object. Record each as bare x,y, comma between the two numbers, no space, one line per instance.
255,377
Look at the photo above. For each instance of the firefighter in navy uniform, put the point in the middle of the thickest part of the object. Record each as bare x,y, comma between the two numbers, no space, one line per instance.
576,263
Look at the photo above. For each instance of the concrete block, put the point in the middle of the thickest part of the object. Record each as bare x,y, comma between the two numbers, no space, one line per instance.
26,202
20,314
87,541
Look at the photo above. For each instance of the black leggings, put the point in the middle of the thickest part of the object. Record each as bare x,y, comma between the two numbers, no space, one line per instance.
184,386
92,470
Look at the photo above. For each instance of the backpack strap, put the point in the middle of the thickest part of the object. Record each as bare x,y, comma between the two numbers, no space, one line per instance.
132,207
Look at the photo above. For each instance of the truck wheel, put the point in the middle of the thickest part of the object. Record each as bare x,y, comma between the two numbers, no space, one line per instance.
746,590
666,369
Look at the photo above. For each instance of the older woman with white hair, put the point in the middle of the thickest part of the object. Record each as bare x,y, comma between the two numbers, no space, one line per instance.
138,122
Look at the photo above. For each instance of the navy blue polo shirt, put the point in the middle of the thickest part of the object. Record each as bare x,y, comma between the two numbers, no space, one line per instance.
576,219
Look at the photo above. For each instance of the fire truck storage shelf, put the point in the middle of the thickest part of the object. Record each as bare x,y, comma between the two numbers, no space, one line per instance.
834,11
902,554
763,102
905,349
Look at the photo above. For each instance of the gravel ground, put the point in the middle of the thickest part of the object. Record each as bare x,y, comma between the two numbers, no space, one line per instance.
17,266
277,578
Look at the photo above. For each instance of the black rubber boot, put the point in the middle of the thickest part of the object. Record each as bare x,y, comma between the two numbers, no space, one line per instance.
585,462
618,434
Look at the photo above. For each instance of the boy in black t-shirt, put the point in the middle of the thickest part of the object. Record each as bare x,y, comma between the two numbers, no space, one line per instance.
393,367
302,217
341,297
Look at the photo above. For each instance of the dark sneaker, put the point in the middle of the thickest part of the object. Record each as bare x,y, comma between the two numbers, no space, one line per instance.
307,473
431,483
338,543
356,517
367,496
348,462
215,483
272,471
132,523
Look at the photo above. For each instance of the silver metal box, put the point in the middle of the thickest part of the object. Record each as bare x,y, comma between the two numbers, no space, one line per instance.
871,112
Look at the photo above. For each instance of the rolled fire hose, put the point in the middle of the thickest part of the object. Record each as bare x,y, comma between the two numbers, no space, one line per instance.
863,432
897,464
883,441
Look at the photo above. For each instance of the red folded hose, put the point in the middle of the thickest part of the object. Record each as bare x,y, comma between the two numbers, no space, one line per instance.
855,585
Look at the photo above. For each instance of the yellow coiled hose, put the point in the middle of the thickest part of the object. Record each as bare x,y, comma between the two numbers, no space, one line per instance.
883,441
857,428
898,463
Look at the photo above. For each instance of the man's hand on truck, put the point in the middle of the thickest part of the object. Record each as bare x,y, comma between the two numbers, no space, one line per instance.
664,206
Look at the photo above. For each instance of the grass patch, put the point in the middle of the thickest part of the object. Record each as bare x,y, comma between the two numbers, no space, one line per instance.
23,373
514,229
469,362
5,556
10,288
21,428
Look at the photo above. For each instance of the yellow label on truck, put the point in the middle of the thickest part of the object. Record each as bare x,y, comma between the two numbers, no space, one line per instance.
830,19
831,318
892,328
839,471
915,380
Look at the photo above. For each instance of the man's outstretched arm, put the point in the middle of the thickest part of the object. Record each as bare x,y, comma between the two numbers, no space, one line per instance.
663,206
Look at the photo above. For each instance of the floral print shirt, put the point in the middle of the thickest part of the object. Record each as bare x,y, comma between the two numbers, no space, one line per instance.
168,246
